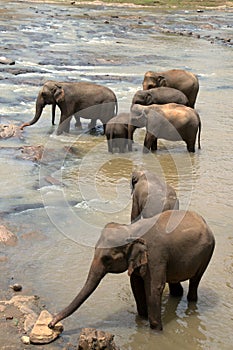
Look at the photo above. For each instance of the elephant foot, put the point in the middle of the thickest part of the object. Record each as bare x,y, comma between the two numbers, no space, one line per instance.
176,289
156,325
192,296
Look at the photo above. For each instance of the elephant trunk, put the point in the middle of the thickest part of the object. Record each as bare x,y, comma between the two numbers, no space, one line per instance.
95,275
39,109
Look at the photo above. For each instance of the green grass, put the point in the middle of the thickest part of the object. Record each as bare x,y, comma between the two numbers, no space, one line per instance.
189,4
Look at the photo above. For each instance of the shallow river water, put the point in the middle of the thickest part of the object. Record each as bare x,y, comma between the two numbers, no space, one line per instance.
57,225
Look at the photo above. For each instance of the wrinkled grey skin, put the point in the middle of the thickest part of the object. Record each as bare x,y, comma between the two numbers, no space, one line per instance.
151,195
171,121
180,79
172,247
86,100
116,132
160,96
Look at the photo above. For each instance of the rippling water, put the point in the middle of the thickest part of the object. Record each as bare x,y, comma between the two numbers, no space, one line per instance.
58,225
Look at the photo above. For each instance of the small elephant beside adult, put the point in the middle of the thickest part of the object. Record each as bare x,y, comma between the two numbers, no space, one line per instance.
151,195
171,121
116,132
81,99
160,96
179,79
171,247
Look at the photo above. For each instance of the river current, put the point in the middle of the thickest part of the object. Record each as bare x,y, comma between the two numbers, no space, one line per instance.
58,224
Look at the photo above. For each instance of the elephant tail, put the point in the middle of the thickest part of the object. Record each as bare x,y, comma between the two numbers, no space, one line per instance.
199,132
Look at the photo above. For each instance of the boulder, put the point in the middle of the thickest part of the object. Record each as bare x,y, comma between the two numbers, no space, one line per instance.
93,339
4,60
41,333
9,130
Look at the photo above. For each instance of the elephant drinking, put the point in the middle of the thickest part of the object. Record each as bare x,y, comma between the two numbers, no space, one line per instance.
171,247
81,99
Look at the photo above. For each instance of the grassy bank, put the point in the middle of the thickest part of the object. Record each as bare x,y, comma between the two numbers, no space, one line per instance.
185,4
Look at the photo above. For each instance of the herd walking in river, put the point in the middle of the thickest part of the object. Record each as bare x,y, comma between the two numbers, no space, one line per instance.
163,244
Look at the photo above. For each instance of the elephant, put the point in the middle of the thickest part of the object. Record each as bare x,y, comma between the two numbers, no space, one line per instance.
116,132
171,121
160,96
81,99
172,247
180,79
151,195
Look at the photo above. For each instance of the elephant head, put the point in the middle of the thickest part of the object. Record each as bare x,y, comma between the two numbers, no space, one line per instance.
143,97
115,252
138,116
152,80
50,94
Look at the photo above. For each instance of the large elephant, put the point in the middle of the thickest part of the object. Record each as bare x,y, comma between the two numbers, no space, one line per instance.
172,247
82,99
151,195
116,132
171,121
160,96
180,79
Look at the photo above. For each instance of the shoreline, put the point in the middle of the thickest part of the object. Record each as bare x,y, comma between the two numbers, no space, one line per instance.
192,6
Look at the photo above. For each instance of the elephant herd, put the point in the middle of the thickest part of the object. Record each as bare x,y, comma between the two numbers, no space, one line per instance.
165,107
162,244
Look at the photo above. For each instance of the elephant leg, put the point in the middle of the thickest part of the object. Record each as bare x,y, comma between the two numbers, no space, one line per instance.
137,285
176,289
154,286
154,145
149,141
121,143
64,125
78,124
92,124
191,147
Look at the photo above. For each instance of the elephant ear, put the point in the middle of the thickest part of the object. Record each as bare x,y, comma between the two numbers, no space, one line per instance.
161,81
149,99
138,257
134,178
59,93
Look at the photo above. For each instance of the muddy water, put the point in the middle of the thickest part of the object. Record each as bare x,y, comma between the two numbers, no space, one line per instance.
58,224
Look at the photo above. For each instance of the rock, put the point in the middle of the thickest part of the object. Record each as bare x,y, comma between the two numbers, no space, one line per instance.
4,60
41,333
9,130
33,153
25,339
93,339
7,237
16,287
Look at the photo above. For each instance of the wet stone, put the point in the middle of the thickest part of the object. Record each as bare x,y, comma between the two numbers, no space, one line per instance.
41,333
7,237
93,339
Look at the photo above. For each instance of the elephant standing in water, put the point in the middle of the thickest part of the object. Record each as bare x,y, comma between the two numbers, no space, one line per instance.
160,96
172,247
179,79
151,195
171,121
86,100
116,132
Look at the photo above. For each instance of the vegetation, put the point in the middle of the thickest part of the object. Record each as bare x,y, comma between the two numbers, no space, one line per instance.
187,4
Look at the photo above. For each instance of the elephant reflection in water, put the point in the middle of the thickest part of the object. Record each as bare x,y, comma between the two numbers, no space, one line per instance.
171,247
82,99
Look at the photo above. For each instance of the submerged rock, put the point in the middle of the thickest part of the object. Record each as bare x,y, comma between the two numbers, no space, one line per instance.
33,153
41,333
5,60
93,339
9,130
7,237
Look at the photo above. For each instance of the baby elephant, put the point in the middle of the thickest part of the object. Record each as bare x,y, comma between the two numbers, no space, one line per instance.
160,96
171,247
116,132
151,195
